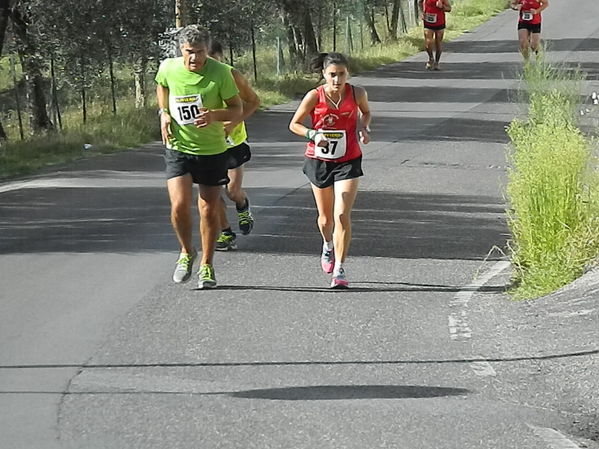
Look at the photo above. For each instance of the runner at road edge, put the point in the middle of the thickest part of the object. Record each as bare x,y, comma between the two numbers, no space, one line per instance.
433,17
529,24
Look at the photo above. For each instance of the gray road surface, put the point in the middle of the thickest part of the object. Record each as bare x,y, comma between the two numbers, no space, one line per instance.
98,349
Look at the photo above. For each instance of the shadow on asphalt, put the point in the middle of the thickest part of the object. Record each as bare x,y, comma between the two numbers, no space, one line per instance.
122,220
508,46
384,287
346,392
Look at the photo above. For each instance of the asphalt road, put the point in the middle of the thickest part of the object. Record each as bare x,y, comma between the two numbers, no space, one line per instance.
98,349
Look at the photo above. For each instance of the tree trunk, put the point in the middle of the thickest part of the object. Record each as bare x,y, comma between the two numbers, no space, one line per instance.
402,19
311,46
83,91
4,16
32,64
374,35
140,85
112,80
394,19
254,52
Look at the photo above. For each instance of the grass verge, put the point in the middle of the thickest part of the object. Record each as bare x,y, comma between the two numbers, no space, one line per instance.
553,187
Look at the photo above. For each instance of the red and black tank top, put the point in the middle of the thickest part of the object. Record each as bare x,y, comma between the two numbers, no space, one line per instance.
339,125
432,14
526,16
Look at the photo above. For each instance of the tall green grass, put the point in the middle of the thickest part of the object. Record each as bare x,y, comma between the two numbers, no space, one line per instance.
104,131
553,187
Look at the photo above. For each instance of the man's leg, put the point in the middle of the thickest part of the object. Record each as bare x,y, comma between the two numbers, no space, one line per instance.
239,197
180,191
209,206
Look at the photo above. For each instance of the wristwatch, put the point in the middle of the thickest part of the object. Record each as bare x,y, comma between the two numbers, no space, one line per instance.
161,110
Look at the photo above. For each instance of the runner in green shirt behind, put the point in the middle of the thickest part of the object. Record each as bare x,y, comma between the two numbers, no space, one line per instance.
239,153
196,94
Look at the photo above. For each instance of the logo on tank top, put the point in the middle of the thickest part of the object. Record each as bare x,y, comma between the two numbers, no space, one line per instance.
330,119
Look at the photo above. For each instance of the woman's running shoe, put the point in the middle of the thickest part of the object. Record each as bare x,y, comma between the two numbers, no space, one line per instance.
246,219
327,260
339,280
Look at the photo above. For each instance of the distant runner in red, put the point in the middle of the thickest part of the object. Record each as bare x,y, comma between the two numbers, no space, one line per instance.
529,24
433,16
340,122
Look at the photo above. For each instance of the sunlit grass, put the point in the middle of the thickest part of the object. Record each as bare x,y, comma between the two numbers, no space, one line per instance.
553,188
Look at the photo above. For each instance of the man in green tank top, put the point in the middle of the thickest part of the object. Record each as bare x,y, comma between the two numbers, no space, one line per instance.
239,153
196,95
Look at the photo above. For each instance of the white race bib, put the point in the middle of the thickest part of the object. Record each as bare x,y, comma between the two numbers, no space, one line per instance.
527,15
185,109
337,144
430,17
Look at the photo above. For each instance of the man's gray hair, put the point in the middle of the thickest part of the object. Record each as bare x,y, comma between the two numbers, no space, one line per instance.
194,35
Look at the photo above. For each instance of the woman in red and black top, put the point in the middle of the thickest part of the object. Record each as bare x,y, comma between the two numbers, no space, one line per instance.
333,163
433,16
529,24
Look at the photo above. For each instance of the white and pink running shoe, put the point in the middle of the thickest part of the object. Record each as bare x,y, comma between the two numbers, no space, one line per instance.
327,260
339,280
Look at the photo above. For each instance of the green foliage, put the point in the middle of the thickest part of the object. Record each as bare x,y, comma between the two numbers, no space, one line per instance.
553,188
104,131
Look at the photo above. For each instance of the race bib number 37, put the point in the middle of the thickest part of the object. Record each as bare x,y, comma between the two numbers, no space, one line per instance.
430,17
337,145
185,109
527,15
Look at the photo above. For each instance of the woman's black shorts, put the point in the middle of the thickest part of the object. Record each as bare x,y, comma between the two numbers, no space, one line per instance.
434,27
239,155
533,28
324,174
205,170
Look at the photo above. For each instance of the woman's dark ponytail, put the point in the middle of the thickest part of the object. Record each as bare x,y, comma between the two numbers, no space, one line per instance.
323,60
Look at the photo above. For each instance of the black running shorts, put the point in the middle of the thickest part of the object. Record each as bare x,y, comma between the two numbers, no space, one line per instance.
324,174
239,155
532,28
434,27
205,170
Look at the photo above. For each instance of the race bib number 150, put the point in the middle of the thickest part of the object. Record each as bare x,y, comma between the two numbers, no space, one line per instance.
185,109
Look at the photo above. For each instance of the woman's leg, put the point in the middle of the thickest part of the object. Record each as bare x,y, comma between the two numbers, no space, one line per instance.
345,196
324,203
523,38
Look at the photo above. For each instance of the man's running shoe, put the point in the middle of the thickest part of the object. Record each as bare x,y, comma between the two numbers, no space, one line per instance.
339,280
226,241
429,65
246,220
206,278
184,266
327,260
436,66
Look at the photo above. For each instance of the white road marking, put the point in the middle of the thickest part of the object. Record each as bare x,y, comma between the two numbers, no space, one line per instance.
459,327
553,438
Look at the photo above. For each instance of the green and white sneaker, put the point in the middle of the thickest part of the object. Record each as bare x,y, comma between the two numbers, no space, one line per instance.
206,277
226,241
246,220
184,267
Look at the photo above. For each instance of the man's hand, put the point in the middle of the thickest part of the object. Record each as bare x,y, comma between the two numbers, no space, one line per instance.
165,127
229,127
204,119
